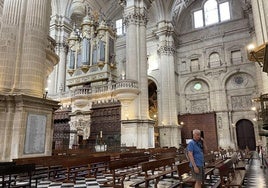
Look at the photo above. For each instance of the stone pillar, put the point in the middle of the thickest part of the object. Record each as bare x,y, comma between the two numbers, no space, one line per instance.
137,129
260,16
62,52
26,59
136,53
168,125
60,31
25,37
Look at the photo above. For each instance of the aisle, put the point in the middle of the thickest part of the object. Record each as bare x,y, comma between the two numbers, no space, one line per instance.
256,177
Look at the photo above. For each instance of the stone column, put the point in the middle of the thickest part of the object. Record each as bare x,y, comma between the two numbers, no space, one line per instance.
62,52
60,31
260,16
168,126
137,129
25,37
136,53
26,59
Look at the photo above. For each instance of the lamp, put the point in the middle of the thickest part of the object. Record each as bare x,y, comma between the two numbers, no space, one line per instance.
45,94
259,54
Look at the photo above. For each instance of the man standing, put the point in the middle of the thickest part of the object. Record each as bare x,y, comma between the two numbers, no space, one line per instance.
196,156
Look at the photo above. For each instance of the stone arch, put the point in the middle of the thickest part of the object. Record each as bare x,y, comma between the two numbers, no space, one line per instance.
197,96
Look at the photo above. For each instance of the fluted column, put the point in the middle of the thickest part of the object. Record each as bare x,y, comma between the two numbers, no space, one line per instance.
60,30
62,51
135,16
166,53
24,40
168,124
137,129
260,16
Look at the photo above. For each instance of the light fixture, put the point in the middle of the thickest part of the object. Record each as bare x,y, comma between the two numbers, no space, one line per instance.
45,94
259,54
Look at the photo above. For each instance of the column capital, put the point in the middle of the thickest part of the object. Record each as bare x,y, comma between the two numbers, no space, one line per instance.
62,46
136,18
166,50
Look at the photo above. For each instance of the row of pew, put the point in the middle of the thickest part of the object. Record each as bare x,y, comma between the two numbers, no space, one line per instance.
153,165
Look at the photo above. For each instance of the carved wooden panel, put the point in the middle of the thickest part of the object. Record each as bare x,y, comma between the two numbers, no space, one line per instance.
106,118
61,134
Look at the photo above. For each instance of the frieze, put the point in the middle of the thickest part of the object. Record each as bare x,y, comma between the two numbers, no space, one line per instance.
198,106
242,102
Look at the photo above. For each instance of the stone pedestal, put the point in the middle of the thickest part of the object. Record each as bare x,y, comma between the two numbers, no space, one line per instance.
26,126
170,136
139,133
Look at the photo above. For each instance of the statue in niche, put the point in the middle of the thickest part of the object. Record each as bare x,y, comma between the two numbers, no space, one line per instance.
219,122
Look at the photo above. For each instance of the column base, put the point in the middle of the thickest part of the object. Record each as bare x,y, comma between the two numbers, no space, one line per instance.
139,133
27,129
170,136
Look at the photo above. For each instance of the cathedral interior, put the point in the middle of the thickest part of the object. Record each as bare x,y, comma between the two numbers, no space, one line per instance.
105,74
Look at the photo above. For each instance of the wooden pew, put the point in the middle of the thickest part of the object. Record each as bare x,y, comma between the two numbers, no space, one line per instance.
46,166
82,167
123,168
16,175
211,161
229,176
238,164
163,166
132,154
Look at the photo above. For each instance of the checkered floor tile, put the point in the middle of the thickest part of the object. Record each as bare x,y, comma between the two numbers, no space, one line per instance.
99,182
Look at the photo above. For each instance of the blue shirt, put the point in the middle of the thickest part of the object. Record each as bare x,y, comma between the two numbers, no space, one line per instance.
196,148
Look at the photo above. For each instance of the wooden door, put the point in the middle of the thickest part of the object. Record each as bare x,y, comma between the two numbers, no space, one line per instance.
245,135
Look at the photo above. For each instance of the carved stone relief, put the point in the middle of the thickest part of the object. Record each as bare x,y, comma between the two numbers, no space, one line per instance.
242,102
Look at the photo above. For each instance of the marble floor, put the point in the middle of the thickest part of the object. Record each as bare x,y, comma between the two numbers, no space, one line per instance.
256,177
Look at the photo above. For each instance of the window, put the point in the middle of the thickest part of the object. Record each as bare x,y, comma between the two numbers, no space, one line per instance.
194,65
236,57
214,60
225,11
197,86
212,13
120,29
198,19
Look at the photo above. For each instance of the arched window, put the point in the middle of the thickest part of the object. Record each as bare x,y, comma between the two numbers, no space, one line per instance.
214,60
212,13
120,28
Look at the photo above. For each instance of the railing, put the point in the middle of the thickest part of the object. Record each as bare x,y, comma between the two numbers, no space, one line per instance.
122,84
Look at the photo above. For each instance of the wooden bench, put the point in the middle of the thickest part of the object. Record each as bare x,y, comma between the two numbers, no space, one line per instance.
211,161
123,168
83,167
238,164
16,175
229,176
185,177
132,154
163,166
46,166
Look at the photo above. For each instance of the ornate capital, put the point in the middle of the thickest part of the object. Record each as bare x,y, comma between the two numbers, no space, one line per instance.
62,46
136,18
166,50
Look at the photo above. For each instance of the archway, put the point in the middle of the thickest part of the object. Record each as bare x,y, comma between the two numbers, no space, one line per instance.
245,135
153,108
